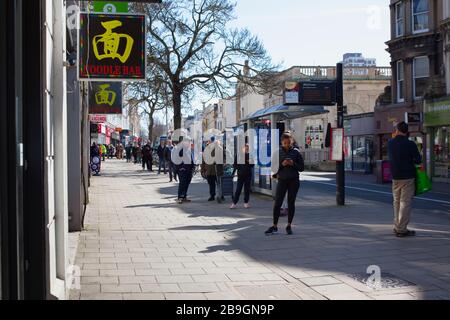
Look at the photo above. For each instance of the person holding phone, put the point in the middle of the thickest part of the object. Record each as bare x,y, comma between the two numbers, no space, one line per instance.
286,170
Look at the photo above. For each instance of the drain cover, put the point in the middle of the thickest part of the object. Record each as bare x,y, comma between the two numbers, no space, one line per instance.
388,281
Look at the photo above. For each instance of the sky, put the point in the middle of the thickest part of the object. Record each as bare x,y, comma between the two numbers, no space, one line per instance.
319,32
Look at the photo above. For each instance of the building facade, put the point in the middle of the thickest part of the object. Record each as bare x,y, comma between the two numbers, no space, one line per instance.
416,51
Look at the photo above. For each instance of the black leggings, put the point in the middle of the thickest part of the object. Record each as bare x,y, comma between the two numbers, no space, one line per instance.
290,187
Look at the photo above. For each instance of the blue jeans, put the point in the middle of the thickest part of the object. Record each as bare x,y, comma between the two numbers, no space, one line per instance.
185,178
162,164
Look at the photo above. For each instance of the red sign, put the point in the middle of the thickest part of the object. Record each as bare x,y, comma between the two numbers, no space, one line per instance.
97,118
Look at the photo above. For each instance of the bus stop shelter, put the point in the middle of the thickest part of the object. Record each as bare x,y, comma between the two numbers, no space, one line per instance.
279,117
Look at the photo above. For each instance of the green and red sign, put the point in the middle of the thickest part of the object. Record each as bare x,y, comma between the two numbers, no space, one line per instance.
105,98
111,47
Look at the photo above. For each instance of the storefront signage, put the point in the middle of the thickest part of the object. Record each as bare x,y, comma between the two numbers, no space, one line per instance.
291,93
110,6
413,117
111,47
337,144
95,118
105,98
319,92
437,113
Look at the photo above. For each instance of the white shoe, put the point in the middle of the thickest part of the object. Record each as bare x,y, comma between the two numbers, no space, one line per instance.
247,206
233,206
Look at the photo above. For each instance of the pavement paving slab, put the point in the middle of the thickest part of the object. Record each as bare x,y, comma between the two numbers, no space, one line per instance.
138,244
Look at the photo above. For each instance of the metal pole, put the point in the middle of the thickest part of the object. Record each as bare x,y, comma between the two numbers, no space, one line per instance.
340,165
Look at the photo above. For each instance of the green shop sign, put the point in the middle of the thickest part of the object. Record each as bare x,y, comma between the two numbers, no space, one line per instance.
109,7
437,113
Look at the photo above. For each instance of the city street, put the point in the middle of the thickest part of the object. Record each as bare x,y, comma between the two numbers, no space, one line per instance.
139,244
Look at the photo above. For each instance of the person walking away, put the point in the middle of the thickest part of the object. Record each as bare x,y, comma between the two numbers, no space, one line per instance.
147,157
129,152
119,152
211,174
161,157
403,157
96,153
287,171
135,158
104,152
244,173
170,164
139,154
184,170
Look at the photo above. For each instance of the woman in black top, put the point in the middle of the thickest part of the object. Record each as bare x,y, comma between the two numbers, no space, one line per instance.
288,174
244,173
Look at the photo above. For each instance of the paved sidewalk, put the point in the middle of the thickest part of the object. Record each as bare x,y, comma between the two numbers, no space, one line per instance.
138,244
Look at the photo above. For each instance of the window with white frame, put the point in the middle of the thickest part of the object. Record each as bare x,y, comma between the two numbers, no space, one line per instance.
400,81
399,19
446,9
421,74
420,12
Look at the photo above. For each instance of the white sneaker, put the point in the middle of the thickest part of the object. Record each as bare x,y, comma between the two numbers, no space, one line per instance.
247,206
233,206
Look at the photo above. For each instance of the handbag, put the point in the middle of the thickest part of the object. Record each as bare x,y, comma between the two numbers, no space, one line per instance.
423,182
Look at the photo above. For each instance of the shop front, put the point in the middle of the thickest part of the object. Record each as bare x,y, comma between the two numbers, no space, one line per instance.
359,143
437,123
386,120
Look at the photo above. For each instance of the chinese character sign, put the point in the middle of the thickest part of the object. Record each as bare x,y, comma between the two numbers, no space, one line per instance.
112,47
105,98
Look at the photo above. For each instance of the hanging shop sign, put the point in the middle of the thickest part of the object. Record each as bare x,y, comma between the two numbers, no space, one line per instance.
105,98
291,93
110,6
437,113
111,47
337,144
317,92
413,117
97,118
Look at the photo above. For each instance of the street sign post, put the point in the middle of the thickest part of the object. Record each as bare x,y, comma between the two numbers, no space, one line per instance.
340,165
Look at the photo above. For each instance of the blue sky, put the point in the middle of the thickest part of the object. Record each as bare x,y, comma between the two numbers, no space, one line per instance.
302,32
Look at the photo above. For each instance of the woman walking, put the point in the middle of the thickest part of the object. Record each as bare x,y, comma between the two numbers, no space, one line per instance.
244,173
289,165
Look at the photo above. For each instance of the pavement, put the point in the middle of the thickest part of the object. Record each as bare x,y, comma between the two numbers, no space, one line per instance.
139,244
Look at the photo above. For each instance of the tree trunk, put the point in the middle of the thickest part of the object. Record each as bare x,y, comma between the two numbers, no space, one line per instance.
176,99
151,123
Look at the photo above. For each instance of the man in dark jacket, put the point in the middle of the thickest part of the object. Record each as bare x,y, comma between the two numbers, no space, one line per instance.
169,163
147,157
184,170
161,157
404,156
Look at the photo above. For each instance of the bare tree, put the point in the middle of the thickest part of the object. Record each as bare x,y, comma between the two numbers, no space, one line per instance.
149,97
189,40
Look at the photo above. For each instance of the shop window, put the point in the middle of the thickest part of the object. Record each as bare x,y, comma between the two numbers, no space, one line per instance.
314,134
420,12
441,150
421,73
400,81
399,19
446,14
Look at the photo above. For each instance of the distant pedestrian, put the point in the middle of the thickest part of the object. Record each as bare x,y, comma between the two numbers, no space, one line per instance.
289,165
184,170
244,172
147,157
119,152
104,152
212,172
161,157
129,152
403,156
170,164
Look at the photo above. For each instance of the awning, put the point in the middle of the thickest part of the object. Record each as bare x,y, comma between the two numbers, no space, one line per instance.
287,112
